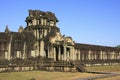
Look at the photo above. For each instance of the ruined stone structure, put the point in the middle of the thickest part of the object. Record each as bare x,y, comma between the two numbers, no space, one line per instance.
42,38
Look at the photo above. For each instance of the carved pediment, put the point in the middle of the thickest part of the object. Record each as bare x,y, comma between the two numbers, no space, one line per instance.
69,40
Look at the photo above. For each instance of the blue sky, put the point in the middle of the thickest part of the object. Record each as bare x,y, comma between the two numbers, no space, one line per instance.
86,21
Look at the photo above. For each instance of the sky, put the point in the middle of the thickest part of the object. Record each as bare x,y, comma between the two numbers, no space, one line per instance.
86,21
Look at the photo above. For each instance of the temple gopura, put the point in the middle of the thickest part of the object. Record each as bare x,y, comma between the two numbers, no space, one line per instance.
42,37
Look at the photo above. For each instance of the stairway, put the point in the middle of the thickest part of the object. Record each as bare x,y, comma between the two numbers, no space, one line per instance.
80,67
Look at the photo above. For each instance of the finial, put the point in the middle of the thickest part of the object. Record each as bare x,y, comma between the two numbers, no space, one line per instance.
7,29
20,29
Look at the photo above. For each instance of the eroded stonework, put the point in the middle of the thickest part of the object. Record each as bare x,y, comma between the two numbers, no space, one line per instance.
43,38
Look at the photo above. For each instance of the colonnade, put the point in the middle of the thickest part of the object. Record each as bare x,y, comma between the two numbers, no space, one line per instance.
61,53
96,54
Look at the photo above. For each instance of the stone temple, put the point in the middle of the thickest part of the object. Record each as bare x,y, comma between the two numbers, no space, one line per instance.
41,37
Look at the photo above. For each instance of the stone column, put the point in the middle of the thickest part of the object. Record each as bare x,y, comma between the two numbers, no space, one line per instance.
89,55
75,55
45,33
59,53
24,48
42,48
6,54
9,48
113,55
37,34
45,22
37,50
51,50
110,55
104,56
41,21
101,57
78,54
71,53
37,21
34,21
48,52
64,52
68,53
54,53
119,55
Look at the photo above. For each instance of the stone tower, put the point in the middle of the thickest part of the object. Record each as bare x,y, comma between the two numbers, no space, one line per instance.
41,23
49,41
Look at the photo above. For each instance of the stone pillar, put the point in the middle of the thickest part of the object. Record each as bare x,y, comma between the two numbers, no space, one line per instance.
54,53
101,57
113,55
42,48
119,55
24,48
34,21
64,52
104,55
38,22
6,55
45,33
18,54
37,49
95,56
71,53
78,54
9,49
89,53
67,55
48,52
59,53
35,33
45,22
51,52
110,55
41,21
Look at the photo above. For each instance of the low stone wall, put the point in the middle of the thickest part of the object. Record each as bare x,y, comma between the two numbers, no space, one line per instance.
45,68
98,62
10,69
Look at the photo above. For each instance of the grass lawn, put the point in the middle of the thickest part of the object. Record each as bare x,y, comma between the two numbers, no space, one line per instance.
111,78
43,75
115,68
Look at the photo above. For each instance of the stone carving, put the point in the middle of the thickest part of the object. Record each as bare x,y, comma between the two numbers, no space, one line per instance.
43,39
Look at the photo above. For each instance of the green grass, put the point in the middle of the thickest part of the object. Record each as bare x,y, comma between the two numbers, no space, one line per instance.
104,68
43,75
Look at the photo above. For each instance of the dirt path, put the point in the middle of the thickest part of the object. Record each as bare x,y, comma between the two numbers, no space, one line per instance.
105,74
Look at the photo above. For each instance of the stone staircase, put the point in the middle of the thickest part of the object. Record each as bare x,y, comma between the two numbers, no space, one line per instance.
64,66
